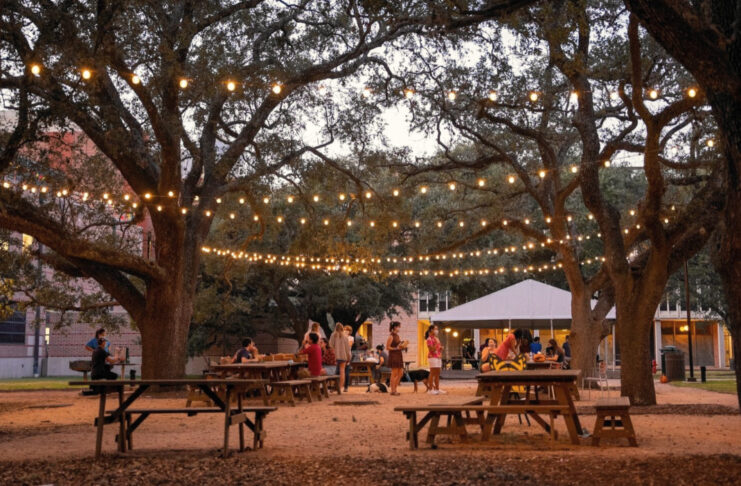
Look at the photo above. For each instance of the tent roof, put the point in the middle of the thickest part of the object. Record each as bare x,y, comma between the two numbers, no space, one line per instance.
528,300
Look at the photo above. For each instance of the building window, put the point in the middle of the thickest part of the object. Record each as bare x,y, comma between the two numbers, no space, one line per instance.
442,301
13,330
424,302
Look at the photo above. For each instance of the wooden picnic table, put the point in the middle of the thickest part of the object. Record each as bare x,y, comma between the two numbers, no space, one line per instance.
123,413
267,370
362,369
542,365
496,385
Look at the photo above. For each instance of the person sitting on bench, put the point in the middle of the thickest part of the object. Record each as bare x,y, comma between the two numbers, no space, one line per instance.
247,353
102,362
315,355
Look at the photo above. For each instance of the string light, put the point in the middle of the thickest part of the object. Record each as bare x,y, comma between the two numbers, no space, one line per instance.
316,198
692,92
277,88
135,79
614,95
481,182
265,200
86,74
542,174
35,69
396,192
452,95
606,163
653,94
533,96
368,194
710,142
290,199
231,85
511,179
423,189
408,93
451,186
492,95
322,90
183,83
574,169
366,92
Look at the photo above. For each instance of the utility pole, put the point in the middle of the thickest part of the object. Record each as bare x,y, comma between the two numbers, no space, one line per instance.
689,320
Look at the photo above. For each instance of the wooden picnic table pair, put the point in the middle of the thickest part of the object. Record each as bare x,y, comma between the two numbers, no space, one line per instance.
266,370
123,414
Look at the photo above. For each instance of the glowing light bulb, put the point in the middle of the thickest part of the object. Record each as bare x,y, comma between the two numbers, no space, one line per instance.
183,83
326,222
231,85
147,196
461,224
87,74
159,208
232,215
372,224
322,90
315,198
241,200
366,92
439,224
218,200
511,179
135,79
452,95
632,212
423,189
481,182
692,92
548,219
368,194
483,222
171,193
710,143
452,186
417,224
302,220
542,174
396,193
533,96
134,205
574,97
492,95
395,224
105,195
408,93
614,95
653,94
277,88
574,169
184,210
607,163
349,223
255,218
279,219
290,199
265,200
35,69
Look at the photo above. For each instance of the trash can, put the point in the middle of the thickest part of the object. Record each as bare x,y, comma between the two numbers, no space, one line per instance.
674,363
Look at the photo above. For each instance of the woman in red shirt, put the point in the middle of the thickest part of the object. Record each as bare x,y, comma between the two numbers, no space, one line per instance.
513,342
434,358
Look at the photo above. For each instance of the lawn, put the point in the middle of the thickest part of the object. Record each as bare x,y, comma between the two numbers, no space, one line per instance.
44,383
720,386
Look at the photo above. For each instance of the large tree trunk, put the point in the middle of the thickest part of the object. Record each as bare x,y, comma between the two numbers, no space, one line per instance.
727,255
587,331
636,301
169,309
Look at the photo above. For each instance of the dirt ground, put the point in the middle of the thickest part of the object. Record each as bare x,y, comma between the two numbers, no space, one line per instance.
692,437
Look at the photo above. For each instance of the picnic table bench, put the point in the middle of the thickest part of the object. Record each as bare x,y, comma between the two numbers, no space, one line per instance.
124,414
613,420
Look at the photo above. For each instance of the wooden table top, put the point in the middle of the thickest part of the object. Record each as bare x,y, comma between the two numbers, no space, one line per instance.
258,365
172,382
529,376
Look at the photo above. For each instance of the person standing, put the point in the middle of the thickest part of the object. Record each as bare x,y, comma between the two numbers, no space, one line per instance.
394,344
353,355
102,362
434,358
567,348
513,343
338,341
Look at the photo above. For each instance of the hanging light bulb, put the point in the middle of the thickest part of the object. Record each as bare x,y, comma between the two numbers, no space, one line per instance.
183,210
290,199
256,218
135,79
492,95
265,200
372,224
481,182
232,215
417,224
408,93
86,74
326,222
316,198
483,222
710,142
322,90
183,83
607,163
341,197
692,92
574,169
368,194
302,220
542,173
533,96
231,85
614,95
653,94
511,179
451,186
366,92
279,219
277,88
452,95
423,189
35,69
396,192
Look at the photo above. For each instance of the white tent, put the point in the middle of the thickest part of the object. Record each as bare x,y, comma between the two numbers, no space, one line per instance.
530,303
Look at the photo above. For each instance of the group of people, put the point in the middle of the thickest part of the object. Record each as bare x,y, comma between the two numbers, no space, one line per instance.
521,341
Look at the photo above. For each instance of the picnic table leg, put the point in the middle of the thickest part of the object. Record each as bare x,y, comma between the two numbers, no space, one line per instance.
504,399
572,420
101,423
129,435
121,423
432,430
241,424
412,416
461,426
227,419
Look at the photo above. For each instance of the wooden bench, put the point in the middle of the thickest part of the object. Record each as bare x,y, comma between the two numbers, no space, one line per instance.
456,422
360,370
290,390
333,383
613,413
322,384
237,417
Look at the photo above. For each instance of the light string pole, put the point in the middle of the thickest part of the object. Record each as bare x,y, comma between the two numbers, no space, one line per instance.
689,321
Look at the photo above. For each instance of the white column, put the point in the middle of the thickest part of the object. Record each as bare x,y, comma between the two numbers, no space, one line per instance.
657,342
721,345
476,338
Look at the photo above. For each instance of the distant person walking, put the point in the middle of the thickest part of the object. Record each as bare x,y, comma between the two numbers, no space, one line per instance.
395,345
434,358
341,346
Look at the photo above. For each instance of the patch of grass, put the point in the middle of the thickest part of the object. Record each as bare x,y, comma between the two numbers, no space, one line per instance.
44,383
720,386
